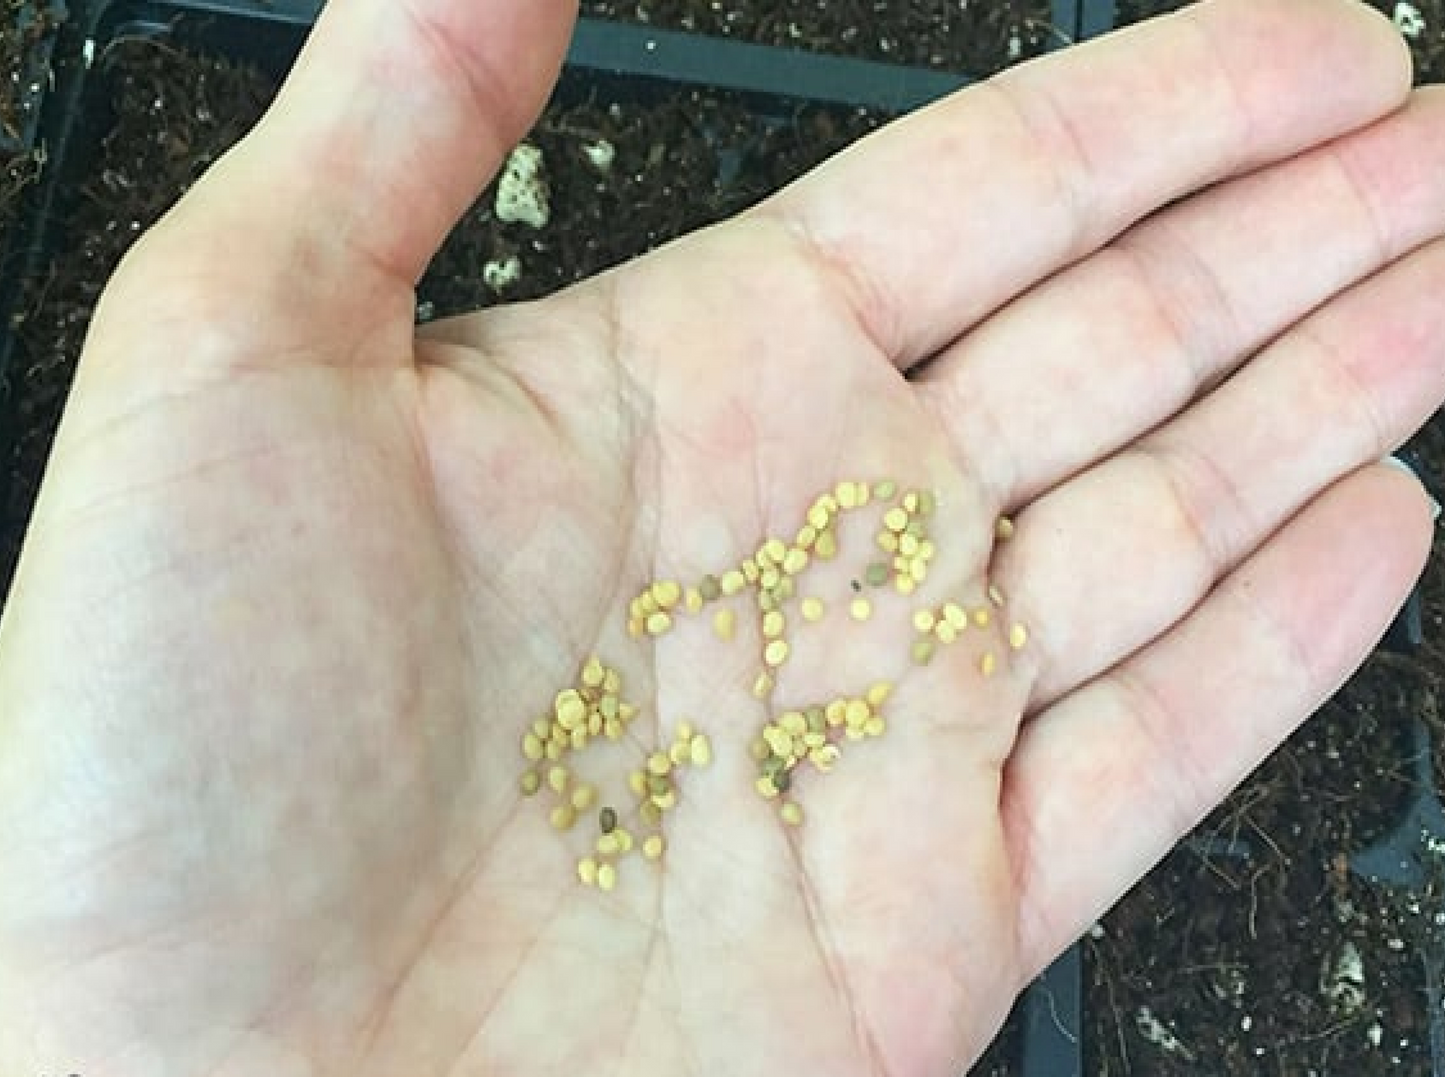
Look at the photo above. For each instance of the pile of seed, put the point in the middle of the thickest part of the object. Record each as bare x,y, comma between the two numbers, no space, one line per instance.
767,581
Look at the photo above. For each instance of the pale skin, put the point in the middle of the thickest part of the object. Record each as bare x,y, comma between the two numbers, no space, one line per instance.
300,578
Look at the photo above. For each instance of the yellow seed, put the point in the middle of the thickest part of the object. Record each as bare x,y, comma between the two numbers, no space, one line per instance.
1018,635
807,535
658,623
612,728
791,813
606,877
1004,529
773,624
860,609
857,711
955,615
885,490
759,749
922,651
876,574
562,817
637,782
666,593
724,622
767,601
626,712
692,600
765,787
678,753
733,581
557,778
650,812
532,747
826,548
945,632
888,542
583,796
918,570
910,501
653,846
531,782
624,840
683,732
981,617
907,545
923,620
812,608
835,712
987,663
543,728
895,519
607,707
878,694
587,871
776,653
607,844
592,672
779,741
578,739
847,495
819,517
813,740
793,723
701,749
763,684
825,757
569,708
595,721
554,751
659,764
795,560
664,800
751,570
769,578
926,550
905,585
776,549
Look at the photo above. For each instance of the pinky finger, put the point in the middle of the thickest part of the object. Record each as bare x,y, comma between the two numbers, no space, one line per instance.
1146,750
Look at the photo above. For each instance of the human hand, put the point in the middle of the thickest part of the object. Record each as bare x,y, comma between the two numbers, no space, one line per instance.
300,579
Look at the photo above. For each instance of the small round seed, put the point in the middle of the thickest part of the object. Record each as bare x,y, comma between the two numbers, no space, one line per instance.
895,519
606,876
569,708
922,651
857,712
776,653
607,820
927,502
773,624
759,749
562,817
825,757
795,560
1018,635
658,623
812,609
779,741
587,871
657,785
665,800
875,726
724,623
765,787
666,593
887,542
981,617
807,535
583,796
531,782
653,847
905,585
532,747
885,490
987,664
763,684
791,813
910,501
608,845
826,548
923,620
678,753
637,782
733,581
769,578
945,632
557,778
651,813
876,574
612,728
1004,529
578,739
819,517
955,615
692,600
907,545
860,609
776,549
878,694
592,672
658,764
709,587
847,495
793,723
701,749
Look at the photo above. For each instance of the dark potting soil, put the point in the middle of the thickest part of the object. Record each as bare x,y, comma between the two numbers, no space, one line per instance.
1243,960
975,39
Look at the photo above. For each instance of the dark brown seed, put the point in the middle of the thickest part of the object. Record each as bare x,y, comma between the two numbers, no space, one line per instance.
607,819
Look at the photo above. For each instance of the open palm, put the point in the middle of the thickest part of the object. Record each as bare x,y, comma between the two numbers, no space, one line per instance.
300,580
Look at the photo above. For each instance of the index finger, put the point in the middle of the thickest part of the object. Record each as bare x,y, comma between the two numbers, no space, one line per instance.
943,217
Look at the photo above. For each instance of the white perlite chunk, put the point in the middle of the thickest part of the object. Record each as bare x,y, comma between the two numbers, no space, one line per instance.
1160,1034
522,194
498,275
1408,19
1342,979
600,154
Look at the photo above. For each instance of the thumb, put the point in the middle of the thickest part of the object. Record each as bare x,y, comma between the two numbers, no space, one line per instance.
395,115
